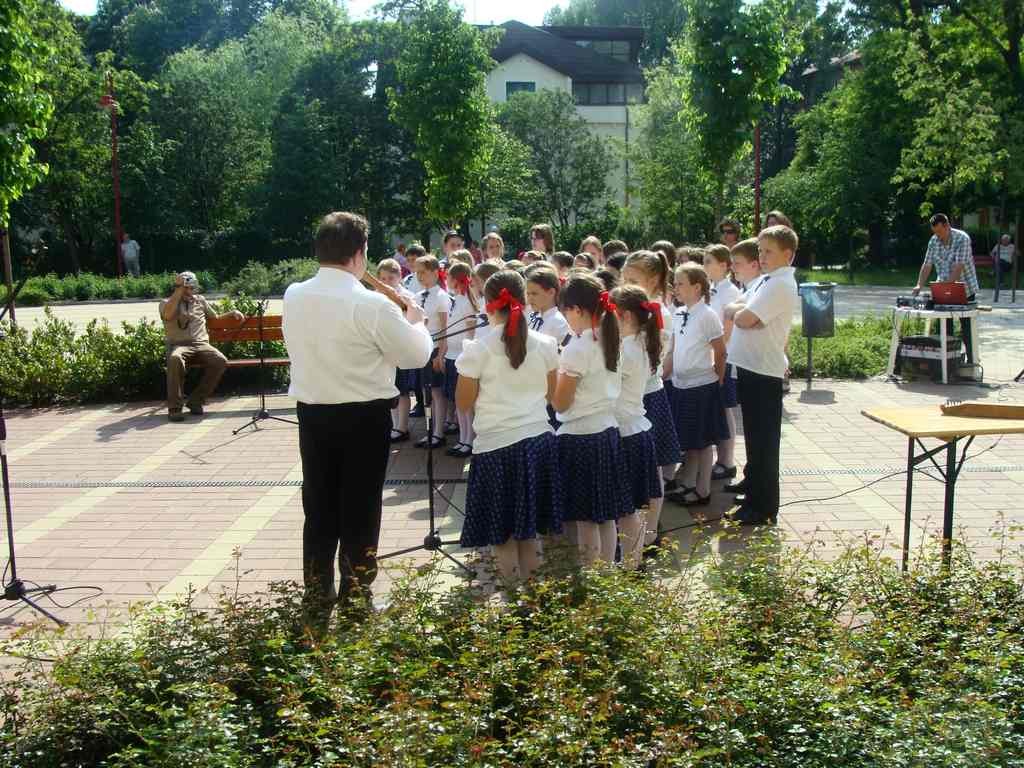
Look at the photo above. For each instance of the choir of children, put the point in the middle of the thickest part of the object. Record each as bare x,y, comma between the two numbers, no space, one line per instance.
588,386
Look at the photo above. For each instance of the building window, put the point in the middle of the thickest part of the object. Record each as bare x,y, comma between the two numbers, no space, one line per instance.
634,93
620,50
616,93
518,86
601,94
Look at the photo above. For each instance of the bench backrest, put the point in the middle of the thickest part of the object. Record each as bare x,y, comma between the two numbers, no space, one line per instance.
227,329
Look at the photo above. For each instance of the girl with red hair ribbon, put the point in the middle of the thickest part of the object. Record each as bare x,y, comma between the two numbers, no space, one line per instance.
640,324
465,307
514,492
589,446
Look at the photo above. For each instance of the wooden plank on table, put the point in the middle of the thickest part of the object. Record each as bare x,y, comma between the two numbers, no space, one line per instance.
931,422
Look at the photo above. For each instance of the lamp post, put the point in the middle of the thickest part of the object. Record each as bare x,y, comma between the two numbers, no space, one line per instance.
108,102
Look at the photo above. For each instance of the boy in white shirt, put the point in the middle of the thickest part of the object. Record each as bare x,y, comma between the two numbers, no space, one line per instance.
757,349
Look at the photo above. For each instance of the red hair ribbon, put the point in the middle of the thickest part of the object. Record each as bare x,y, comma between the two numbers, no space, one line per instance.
442,278
655,309
561,280
463,284
606,302
515,310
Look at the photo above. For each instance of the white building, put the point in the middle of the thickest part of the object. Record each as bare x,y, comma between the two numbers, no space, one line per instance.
597,65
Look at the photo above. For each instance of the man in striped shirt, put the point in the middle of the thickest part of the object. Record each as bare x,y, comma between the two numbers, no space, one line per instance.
949,251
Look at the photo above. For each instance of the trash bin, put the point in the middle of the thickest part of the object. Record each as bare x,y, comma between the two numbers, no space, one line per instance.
818,317
818,310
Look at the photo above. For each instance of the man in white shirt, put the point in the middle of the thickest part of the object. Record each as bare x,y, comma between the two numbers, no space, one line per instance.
130,254
345,343
757,348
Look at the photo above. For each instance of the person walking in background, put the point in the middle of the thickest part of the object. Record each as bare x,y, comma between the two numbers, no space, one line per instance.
130,255
1004,255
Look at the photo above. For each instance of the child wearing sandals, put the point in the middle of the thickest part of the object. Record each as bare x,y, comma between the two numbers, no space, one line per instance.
436,305
463,308
640,323
514,491
724,292
589,446
389,272
650,271
697,365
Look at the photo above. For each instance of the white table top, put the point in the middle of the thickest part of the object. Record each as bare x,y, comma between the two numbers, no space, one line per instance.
945,314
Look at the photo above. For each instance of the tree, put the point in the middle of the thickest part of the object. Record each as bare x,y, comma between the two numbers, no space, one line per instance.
440,98
26,108
736,53
572,163
510,184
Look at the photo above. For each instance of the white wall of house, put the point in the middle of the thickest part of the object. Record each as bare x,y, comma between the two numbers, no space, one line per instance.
521,68
611,122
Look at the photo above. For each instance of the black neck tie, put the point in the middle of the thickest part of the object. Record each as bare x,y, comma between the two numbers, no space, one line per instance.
686,317
423,298
536,321
764,280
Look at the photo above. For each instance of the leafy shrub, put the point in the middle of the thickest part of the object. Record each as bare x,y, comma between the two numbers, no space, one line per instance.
258,279
33,296
773,659
859,349
46,289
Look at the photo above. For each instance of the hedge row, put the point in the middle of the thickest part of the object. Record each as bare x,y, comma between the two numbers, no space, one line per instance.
764,658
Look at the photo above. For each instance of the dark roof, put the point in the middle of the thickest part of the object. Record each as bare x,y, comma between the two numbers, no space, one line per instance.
596,33
851,59
583,65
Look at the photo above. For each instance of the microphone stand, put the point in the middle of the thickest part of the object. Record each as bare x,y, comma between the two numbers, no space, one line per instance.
15,589
432,542
262,414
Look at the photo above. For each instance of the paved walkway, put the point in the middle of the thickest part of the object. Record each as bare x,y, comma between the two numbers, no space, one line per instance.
117,497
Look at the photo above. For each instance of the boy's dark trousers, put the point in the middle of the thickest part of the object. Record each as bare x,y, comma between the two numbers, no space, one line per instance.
761,399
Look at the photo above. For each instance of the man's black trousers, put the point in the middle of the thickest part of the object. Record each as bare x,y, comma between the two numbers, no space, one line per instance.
761,399
344,451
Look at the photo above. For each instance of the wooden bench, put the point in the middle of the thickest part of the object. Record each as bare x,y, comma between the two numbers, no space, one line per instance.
983,260
226,330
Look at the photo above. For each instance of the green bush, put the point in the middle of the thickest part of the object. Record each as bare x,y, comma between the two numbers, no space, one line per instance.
859,349
258,279
764,658
55,364
46,289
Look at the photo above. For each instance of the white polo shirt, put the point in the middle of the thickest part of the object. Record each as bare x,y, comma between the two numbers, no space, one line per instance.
512,402
593,407
693,360
654,381
762,350
460,310
723,293
434,301
345,342
551,323
635,367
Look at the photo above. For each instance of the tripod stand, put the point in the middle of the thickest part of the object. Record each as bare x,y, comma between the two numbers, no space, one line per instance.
262,414
432,542
15,589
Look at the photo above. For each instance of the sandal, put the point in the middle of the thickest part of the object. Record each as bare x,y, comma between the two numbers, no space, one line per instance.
432,441
398,436
680,492
455,450
451,428
693,499
722,472
465,451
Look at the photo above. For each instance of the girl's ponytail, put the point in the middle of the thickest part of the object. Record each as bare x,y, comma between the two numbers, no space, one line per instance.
630,298
505,292
610,339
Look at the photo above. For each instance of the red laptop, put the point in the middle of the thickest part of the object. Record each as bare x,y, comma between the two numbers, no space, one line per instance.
949,293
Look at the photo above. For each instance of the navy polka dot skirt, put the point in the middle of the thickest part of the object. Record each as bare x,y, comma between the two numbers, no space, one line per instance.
592,469
406,379
700,417
663,427
451,378
515,492
641,472
669,389
729,399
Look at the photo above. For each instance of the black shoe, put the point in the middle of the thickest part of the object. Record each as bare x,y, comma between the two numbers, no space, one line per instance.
740,487
746,516
398,436
678,495
417,412
451,428
196,410
671,485
722,472
455,450
175,415
741,499
693,499
465,451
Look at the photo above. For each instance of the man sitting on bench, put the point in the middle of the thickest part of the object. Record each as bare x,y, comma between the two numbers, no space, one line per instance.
184,315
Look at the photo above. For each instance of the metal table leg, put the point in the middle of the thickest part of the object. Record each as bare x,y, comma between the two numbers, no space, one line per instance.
947,510
909,502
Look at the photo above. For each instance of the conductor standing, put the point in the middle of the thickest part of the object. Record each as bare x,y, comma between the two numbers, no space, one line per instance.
345,343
